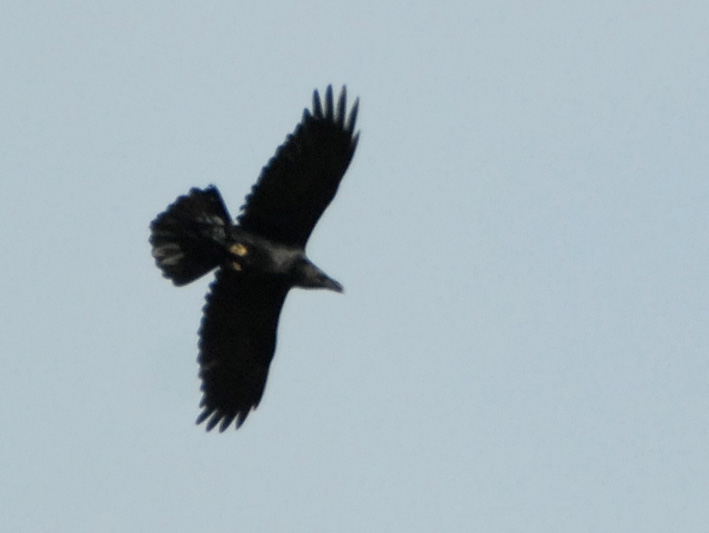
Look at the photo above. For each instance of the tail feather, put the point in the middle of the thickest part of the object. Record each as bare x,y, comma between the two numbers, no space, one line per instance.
187,237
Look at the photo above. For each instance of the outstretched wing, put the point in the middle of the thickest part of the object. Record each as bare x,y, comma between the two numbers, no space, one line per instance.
302,177
237,341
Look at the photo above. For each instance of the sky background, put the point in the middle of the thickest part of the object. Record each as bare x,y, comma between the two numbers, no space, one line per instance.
522,236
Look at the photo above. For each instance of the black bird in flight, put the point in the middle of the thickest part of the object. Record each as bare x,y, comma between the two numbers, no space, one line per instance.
259,259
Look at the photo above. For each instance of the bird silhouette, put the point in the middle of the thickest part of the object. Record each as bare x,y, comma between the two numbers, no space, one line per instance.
258,259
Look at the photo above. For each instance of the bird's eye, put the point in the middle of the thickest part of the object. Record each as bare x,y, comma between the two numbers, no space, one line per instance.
239,249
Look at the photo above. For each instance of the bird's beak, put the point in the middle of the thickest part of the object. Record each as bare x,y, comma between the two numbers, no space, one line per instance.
332,285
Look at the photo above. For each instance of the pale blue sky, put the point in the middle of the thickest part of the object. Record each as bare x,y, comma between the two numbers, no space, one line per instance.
522,343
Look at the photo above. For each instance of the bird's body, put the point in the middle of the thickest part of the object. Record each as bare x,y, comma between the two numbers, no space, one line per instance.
259,259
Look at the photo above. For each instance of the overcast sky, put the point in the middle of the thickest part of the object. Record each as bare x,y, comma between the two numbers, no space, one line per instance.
522,344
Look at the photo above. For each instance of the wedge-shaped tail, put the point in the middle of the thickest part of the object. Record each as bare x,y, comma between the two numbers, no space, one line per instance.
188,237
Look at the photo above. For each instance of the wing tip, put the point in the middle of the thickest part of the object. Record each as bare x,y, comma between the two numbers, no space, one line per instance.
216,417
325,108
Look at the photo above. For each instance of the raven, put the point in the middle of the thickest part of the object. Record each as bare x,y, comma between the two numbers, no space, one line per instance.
259,259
